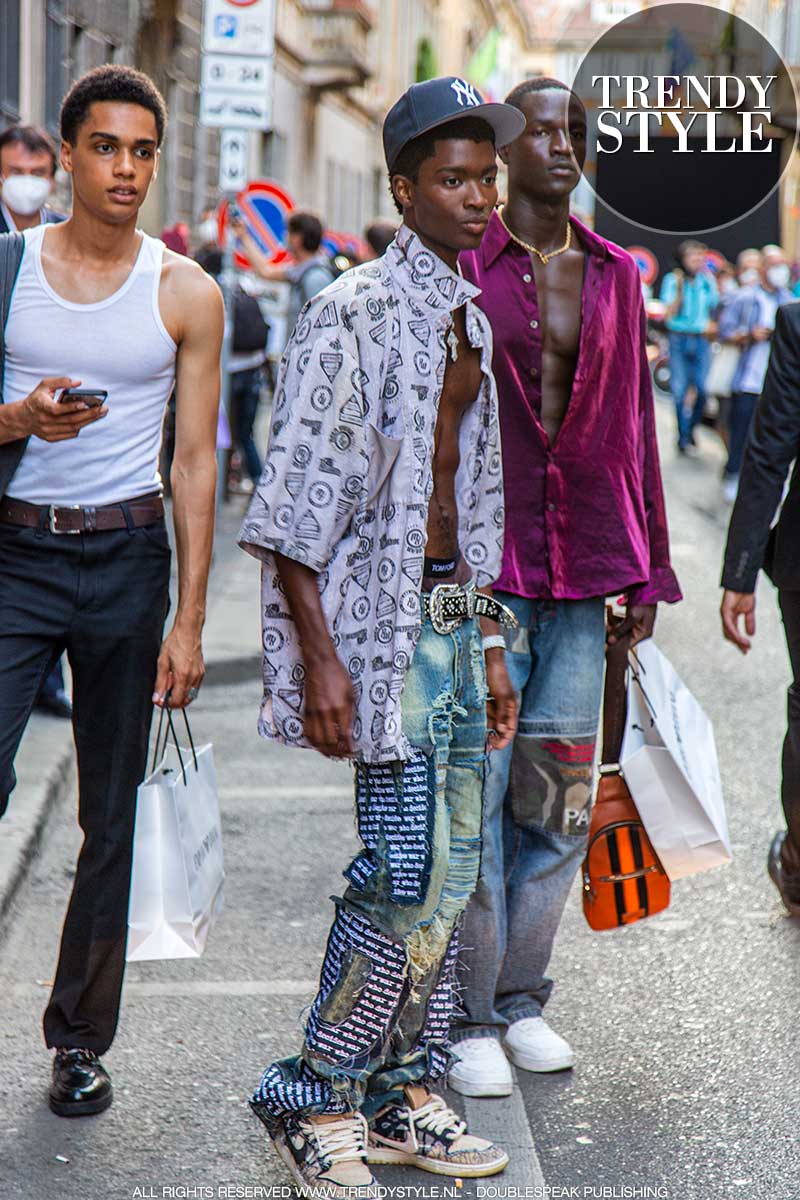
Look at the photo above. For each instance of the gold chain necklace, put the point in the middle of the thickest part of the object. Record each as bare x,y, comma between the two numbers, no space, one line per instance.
544,258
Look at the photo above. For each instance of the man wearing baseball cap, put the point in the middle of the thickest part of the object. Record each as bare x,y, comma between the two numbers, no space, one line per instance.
379,523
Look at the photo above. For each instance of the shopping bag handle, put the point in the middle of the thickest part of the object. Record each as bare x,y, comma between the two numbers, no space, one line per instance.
171,730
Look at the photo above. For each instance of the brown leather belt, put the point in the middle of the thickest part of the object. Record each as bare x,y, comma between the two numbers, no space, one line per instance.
75,518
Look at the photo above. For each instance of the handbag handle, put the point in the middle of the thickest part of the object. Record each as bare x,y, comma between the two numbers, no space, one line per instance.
171,730
615,701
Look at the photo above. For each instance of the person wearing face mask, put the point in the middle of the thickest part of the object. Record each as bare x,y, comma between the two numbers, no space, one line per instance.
748,322
691,296
27,175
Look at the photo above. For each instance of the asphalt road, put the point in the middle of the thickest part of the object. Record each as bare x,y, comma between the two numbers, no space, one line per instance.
685,1026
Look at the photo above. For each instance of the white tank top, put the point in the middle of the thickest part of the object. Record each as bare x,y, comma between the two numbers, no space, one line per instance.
119,344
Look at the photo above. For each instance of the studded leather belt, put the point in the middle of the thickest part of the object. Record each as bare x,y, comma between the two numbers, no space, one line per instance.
76,518
448,604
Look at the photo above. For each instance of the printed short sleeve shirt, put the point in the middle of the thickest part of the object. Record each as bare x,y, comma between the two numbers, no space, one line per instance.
348,478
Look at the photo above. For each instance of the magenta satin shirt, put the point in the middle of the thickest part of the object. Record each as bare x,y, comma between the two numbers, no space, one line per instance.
584,517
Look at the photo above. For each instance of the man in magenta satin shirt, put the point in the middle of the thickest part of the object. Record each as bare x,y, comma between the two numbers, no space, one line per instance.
585,519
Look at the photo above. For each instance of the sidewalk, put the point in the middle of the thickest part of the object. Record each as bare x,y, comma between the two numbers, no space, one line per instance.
45,762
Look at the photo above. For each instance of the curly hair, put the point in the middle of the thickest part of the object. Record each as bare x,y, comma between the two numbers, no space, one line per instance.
124,85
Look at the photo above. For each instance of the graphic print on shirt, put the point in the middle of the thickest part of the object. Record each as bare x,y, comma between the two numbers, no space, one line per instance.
348,479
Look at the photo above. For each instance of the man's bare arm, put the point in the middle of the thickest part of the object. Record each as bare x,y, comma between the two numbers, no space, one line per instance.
329,700
194,474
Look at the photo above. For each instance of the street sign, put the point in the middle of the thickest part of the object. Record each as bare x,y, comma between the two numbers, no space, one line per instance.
265,209
714,261
646,261
236,110
236,73
233,157
239,27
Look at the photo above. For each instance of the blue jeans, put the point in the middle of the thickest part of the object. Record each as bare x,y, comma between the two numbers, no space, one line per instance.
245,398
689,359
740,418
382,1016
537,804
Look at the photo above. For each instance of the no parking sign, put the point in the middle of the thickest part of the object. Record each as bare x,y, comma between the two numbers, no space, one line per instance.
646,261
265,209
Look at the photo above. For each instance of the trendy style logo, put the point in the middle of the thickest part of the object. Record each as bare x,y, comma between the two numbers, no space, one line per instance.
691,119
691,106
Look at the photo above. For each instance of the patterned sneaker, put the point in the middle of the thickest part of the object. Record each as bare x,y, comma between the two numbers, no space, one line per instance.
429,1135
327,1157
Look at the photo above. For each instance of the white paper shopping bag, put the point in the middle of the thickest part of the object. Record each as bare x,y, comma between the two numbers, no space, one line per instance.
669,761
178,874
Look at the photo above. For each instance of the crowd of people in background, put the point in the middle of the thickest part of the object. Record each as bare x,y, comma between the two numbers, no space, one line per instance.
719,319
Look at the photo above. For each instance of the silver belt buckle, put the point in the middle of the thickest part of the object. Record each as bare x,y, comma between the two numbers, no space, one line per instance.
438,620
52,520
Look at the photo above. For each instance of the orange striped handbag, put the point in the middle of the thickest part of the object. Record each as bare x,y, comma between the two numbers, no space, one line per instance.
623,880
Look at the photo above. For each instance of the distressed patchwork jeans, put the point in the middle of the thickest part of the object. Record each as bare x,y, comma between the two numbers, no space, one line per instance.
382,1016
537,805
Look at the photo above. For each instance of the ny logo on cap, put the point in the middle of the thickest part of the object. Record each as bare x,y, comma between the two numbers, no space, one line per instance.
465,92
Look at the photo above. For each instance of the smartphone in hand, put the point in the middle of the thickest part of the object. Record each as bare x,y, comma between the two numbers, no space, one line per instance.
91,397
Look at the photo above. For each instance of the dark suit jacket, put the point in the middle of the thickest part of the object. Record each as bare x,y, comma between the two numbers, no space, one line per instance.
773,445
50,218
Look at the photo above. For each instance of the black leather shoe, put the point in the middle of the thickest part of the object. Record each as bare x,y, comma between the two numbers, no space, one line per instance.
787,885
81,1086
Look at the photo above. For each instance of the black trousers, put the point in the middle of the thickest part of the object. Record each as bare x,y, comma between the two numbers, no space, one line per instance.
102,597
790,764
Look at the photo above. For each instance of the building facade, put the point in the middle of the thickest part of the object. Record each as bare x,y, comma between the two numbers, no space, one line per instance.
46,44
339,65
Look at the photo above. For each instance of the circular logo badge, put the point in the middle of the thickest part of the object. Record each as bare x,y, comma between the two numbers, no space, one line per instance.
691,117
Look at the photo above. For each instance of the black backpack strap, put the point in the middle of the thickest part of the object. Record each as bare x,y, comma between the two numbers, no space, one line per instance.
12,247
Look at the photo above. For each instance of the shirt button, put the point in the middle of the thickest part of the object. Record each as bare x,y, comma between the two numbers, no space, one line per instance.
534,372
551,507
534,324
526,278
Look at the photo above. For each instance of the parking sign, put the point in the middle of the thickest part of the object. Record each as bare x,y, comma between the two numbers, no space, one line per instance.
239,27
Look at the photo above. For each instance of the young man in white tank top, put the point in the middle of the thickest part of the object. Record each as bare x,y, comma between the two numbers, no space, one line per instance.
84,555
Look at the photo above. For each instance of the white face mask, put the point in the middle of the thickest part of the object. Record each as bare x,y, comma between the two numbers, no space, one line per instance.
207,230
779,275
25,194
749,276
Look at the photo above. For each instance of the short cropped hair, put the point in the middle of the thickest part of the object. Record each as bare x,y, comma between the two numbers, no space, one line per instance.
689,246
34,140
308,227
415,152
112,82
539,83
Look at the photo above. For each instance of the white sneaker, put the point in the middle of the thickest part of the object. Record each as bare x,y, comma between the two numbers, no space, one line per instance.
532,1045
482,1068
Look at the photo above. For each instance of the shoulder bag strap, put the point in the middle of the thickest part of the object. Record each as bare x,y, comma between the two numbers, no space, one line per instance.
615,701
12,247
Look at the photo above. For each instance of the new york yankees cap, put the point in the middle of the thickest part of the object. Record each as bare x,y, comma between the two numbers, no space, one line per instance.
438,101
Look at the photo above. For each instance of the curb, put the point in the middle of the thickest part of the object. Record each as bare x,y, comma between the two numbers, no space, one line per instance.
24,824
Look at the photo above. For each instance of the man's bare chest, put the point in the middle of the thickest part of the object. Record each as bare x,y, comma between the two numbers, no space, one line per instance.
559,291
